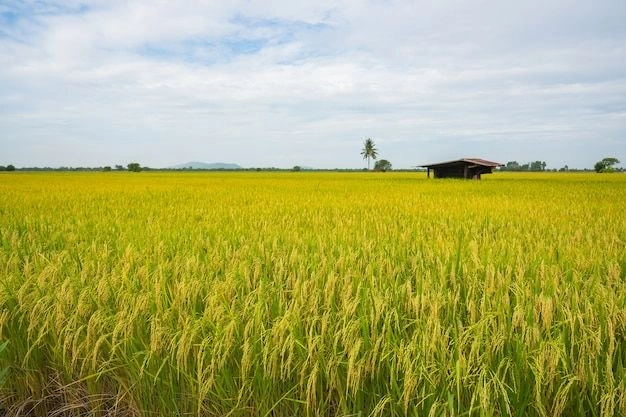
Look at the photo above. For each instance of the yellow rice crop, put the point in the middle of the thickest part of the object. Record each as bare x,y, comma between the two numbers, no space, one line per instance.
283,294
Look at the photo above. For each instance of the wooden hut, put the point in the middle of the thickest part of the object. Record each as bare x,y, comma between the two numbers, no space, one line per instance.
468,168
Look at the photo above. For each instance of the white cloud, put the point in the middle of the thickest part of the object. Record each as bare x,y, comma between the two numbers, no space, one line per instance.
281,83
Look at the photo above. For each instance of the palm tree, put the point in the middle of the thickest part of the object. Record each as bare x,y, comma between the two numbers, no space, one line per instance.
369,151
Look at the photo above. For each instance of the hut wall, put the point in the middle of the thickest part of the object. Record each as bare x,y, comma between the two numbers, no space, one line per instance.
453,171
461,171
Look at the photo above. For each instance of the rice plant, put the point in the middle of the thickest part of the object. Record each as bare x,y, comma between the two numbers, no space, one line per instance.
339,294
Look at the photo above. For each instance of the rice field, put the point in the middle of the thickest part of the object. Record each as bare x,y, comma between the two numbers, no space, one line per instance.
312,294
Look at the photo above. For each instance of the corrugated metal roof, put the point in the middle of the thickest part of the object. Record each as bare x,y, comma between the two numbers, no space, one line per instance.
475,161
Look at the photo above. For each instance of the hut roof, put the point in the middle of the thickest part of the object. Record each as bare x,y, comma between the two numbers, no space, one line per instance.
472,161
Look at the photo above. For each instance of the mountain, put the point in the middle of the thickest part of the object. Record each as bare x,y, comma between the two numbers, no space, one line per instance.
204,165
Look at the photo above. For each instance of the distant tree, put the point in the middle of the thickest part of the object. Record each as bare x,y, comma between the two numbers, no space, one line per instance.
606,165
382,165
512,166
296,168
537,166
3,168
599,167
134,167
106,169
119,167
10,168
369,151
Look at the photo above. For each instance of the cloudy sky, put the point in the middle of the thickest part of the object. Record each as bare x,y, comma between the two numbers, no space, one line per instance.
283,83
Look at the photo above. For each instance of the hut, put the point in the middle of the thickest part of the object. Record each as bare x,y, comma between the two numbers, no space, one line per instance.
468,168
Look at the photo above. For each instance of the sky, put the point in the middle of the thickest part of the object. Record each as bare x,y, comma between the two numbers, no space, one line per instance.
283,83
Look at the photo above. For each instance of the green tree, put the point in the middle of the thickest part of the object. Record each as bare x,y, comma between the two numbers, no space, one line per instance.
382,165
10,168
512,166
369,151
134,167
106,168
606,165
538,166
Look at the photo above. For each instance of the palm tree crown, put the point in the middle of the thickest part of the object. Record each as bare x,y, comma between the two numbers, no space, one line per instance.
369,151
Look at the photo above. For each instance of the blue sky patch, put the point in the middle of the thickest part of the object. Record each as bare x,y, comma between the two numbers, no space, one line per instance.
9,18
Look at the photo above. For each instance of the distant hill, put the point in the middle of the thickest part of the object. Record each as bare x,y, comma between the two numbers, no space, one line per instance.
204,165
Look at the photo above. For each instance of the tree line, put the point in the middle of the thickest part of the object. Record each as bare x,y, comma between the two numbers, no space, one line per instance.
530,166
133,166
368,152
605,165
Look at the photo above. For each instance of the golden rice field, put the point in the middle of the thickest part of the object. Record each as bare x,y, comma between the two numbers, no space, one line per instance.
312,294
